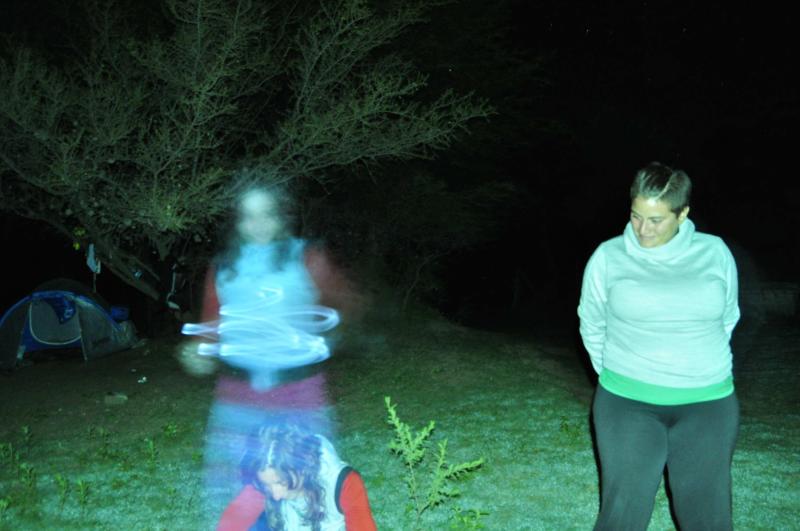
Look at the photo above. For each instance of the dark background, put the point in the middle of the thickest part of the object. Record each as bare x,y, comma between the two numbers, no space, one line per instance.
709,88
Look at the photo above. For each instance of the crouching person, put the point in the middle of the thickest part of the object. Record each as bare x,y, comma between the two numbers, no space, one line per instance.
294,480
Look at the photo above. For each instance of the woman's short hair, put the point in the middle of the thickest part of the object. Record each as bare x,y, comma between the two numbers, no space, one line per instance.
662,183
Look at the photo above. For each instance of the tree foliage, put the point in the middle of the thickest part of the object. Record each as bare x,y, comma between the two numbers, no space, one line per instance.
128,138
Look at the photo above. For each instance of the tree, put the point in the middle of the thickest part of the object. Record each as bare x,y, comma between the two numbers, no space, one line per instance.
129,139
434,223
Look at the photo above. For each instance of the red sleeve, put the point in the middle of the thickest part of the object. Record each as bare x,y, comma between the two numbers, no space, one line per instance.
319,267
355,505
210,300
335,288
243,511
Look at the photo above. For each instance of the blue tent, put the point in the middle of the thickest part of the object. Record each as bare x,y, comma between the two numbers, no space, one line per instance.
63,314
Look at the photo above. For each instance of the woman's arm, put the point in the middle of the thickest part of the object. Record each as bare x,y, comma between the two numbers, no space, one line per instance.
243,512
335,289
732,313
188,355
592,309
355,504
210,299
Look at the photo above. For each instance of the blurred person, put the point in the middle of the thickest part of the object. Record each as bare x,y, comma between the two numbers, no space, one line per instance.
657,309
262,324
259,305
294,480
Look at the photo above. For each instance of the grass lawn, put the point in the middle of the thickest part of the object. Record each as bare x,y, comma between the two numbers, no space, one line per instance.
69,459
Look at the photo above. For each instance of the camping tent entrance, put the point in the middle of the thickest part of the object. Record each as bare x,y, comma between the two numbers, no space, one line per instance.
52,322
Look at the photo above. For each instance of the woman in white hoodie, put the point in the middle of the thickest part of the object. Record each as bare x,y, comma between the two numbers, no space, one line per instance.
658,306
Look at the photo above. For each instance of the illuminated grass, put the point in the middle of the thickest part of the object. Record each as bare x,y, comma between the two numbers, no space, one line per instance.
522,405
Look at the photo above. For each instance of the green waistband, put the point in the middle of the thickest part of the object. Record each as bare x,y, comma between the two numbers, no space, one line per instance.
663,396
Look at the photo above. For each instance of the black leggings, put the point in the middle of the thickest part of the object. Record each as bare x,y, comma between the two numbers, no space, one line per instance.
637,440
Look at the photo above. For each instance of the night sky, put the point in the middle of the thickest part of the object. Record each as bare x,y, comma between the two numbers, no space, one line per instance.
709,87
705,87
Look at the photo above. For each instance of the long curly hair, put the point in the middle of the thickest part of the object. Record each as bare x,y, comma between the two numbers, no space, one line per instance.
294,454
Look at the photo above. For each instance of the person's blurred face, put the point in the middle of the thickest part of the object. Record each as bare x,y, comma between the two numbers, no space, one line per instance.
276,486
654,223
259,217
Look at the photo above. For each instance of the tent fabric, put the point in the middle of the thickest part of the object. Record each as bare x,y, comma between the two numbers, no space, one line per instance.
62,314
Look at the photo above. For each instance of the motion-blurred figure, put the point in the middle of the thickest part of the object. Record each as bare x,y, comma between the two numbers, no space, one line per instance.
261,319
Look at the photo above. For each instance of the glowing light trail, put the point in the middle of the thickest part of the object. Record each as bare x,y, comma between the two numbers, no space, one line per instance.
264,335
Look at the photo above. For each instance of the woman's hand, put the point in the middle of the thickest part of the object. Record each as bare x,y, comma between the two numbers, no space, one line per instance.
193,362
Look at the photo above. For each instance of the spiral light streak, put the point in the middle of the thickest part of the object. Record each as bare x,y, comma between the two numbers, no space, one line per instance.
266,335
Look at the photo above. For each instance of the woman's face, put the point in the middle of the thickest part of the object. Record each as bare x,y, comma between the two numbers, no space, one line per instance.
259,217
277,487
654,223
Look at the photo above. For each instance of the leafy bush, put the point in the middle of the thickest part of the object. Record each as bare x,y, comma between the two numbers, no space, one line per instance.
427,491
